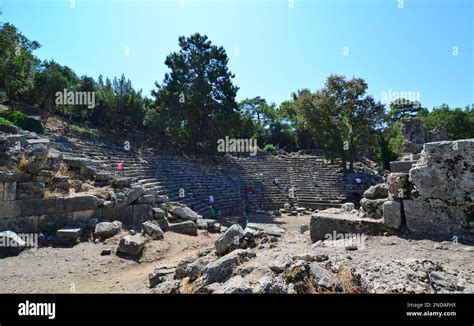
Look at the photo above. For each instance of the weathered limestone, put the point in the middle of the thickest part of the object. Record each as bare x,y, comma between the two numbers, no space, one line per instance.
132,245
438,134
323,224
81,203
104,230
378,191
413,135
141,213
444,181
261,228
47,206
372,208
187,228
221,269
184,213
153,230
397,186
133,194
10,209
392,214
9,191
229,240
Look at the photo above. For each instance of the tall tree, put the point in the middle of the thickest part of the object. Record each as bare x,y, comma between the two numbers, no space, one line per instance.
341,117
50,79
17,62
197,98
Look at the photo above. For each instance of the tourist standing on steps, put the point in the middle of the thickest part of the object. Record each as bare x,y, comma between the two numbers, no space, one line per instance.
213,212
276,181
211,200
120,169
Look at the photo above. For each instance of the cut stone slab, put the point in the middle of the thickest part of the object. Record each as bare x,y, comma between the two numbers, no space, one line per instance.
152,230
158,212
146,199
76,162
104,230
401,166
229,240
122,182
69,233
372,208
132,245
187,228
133,194
269,229
392,214
81,203
434,218
323,224
185,213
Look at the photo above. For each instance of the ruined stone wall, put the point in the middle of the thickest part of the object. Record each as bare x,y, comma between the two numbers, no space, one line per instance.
442,199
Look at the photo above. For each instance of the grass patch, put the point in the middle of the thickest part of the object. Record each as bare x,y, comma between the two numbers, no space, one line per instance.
83,131
23,121
5,121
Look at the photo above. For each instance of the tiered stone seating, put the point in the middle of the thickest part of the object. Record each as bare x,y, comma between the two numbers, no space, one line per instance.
191,180
316,184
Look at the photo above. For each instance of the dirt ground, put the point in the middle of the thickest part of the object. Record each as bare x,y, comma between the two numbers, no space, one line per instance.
82,269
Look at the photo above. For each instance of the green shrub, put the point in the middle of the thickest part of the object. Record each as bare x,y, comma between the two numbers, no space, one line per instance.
269,148
5,121
23,121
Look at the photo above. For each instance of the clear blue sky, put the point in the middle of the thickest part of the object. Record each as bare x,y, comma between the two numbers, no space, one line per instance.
273,49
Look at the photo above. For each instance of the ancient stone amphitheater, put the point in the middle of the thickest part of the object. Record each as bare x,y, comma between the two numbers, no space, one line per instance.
302,234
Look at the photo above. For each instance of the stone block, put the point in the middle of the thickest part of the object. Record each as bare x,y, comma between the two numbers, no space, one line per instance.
81,203
46,206
392,214
9,191
323,224
10,209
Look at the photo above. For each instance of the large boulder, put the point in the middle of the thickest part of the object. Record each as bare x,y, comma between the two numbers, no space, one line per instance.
104,230
372,208
322,278
230,240
221,269
235,285
132,245
187,227
197,267
443,179
268,229
133,194
152,230
379,191
184,213
158,275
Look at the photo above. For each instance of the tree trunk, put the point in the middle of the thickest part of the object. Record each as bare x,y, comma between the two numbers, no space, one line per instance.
10,101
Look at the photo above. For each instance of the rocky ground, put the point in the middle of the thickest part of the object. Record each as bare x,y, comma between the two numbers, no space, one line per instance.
289,263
